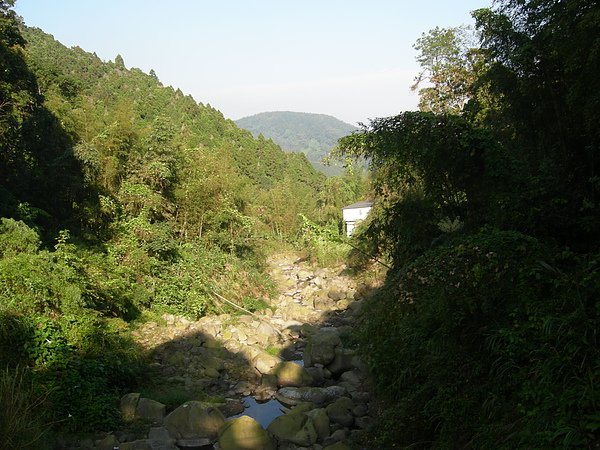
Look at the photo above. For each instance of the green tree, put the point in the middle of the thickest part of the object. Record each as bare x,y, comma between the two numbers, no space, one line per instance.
543,57
448,69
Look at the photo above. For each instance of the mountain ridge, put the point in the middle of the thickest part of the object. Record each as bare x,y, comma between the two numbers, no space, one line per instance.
313,134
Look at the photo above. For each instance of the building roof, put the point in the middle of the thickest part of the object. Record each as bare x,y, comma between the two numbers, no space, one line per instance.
359,205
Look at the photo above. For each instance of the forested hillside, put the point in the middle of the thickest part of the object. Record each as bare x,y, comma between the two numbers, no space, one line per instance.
122,199
312,134
485,334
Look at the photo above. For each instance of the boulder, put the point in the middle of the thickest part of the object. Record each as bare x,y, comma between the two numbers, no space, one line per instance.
323,303
244,433
291,374
340,411
294,428
211,342
317,395
337,446
353,377
194,419
159,434
151,410
342,361
264,363
231,407
193,444
306,330
128,405
343,304
317,374
211,372
320,348
321,422
304,275
108,443
295,311
336,295
266,331
337,436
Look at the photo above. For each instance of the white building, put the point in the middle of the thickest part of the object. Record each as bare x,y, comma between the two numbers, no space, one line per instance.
354,213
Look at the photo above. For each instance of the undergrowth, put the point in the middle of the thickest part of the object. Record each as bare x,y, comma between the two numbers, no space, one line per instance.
490,342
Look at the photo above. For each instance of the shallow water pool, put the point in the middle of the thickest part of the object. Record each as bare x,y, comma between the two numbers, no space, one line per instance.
263,413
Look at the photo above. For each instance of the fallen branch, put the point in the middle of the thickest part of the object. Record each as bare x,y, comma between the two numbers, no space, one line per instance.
229,302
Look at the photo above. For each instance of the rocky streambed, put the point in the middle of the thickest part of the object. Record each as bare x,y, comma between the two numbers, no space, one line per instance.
285,378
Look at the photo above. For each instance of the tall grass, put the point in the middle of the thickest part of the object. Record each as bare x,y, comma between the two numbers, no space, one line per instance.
23,421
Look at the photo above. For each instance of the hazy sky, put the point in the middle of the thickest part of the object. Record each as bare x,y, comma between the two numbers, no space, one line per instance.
347,58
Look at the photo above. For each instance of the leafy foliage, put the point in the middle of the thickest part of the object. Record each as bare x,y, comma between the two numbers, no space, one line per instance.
120,196
484,334
449,68
491,334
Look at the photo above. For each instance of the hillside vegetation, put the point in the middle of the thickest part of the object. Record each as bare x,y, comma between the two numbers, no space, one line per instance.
312,134
122,199
485,334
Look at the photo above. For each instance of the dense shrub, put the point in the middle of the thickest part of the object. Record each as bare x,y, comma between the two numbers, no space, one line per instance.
489,342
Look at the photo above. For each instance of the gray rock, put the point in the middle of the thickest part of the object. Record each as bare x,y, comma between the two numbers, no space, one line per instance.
231,407
264,363
211,342
322,273
321,422
128,405
323,303
336,295
320,348
317,374
342,360
340,411
244,433
337,436
193,443
159,433
304,275
194,419
294,428
352,377
317,395
266,330
148,409
211,372
306,330
108,443
343,304
291,374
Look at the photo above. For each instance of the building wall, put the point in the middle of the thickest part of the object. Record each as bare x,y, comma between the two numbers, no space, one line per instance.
353,216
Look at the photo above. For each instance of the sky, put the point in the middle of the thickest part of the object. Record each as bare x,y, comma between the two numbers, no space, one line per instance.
350,59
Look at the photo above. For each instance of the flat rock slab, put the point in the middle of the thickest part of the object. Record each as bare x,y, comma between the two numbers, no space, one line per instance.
318,395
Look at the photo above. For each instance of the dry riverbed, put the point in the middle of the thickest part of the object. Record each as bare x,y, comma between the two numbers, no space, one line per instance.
284,378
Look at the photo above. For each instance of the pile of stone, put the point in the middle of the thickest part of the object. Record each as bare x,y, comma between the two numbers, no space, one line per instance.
326,393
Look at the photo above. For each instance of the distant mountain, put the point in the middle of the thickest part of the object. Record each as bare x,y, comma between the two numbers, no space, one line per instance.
313,134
